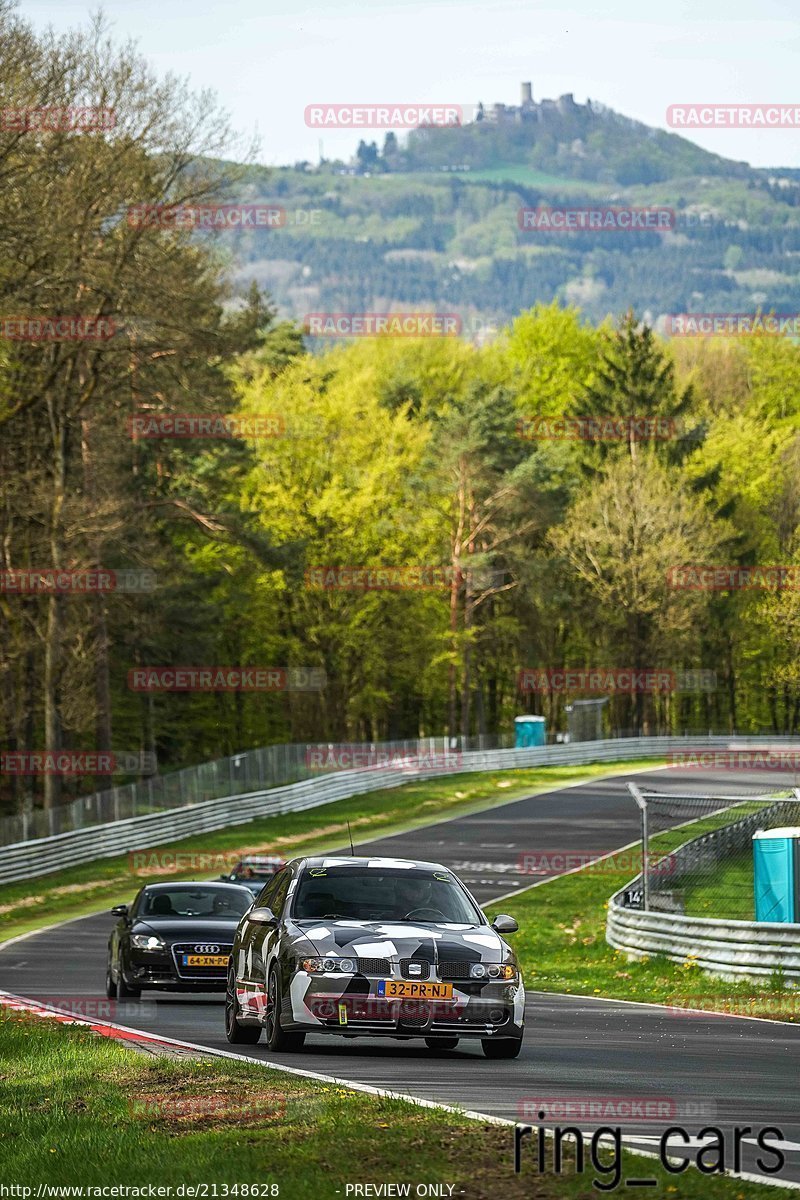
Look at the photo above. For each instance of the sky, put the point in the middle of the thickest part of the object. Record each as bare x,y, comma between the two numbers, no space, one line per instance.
268,59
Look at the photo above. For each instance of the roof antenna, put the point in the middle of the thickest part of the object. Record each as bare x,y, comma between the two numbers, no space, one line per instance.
349,834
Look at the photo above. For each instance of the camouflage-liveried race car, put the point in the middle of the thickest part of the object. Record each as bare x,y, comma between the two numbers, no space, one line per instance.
373,947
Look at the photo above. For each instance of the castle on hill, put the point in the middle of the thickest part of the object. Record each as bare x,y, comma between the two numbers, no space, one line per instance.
529,110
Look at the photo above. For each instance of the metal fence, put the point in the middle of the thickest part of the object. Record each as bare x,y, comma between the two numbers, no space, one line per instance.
712,872
29,859
662,910
267,767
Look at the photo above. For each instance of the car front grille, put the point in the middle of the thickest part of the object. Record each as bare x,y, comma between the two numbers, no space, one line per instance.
373,966
454,970
182,948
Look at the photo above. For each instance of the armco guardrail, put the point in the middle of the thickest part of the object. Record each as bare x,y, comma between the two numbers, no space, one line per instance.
27,860
733,950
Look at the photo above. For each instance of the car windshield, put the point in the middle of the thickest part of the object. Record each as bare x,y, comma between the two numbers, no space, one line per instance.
382,894
194,902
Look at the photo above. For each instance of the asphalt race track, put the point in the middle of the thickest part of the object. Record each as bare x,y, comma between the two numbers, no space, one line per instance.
704,1070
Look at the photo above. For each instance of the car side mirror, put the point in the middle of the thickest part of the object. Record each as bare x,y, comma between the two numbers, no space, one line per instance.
504,924
262,916
120,910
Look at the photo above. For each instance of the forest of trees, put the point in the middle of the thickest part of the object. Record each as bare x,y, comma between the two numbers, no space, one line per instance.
393,452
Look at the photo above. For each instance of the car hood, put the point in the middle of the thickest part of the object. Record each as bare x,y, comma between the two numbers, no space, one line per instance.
181,929
406,939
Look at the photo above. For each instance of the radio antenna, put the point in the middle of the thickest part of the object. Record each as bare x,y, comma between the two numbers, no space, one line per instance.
350,835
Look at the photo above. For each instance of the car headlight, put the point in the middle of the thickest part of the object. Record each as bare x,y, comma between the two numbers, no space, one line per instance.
492,971
324,966
147,941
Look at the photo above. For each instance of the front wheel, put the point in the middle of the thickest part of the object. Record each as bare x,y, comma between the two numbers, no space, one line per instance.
239,1035
277,1038
501,1047
123,991
111,987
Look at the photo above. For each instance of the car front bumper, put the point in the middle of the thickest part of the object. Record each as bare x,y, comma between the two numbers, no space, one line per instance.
352,1006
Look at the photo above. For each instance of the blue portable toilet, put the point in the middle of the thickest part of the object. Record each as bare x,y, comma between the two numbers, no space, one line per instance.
776,874
529,731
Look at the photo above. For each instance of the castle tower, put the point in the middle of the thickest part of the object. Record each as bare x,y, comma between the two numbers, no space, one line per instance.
527,94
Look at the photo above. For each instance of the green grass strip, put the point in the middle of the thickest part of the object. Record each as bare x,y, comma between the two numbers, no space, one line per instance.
78,1109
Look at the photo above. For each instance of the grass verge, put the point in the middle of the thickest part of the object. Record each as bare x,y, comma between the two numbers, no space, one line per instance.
79,891
562,944
78,1109
728,894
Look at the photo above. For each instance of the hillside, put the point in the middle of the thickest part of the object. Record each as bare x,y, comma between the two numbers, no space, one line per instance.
432,222
588,142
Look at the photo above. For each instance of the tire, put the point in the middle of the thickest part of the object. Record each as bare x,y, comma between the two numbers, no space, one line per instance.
441,1043
111,987
123,991
238,1035
501,1047
277,1038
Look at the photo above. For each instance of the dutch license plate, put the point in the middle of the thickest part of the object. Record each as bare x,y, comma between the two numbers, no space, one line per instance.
403,989
205,960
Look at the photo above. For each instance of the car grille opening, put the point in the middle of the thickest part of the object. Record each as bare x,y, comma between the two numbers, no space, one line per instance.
413,1015
373,966
454,970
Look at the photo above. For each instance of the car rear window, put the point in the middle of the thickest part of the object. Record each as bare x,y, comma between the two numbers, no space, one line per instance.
194,902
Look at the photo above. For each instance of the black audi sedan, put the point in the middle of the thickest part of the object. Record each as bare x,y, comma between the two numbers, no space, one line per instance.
176,937
373,947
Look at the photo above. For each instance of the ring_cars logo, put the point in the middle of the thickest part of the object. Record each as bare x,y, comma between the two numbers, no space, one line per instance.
204,948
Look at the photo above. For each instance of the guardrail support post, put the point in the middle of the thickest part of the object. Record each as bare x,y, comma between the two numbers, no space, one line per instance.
641,800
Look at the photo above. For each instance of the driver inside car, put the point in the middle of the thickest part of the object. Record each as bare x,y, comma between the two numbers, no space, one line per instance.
412,895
